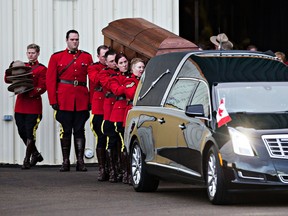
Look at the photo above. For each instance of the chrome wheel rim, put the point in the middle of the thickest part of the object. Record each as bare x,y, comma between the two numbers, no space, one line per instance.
212,176
136,164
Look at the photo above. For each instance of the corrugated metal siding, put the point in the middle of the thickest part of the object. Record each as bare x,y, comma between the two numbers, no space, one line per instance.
46,23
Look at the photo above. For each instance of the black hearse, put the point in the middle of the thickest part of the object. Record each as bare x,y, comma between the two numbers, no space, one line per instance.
212,118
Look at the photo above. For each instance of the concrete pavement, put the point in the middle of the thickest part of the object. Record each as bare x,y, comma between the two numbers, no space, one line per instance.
43,190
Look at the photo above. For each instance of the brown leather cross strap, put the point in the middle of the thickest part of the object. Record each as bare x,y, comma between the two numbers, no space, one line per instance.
33,68
71,62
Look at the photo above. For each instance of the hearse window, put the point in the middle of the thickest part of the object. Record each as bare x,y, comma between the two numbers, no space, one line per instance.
201,96
190,69
180,93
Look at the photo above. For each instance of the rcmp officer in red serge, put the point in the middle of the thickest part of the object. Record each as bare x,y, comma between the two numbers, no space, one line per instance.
137,66
28,107
117,115
68,94
97,99
108,127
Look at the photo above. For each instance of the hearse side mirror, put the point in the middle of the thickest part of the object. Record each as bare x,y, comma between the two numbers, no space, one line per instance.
196,110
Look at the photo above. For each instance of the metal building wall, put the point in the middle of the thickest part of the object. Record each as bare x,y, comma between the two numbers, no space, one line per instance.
46,23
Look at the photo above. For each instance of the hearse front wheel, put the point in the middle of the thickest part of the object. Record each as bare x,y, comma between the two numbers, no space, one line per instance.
141,180
216,190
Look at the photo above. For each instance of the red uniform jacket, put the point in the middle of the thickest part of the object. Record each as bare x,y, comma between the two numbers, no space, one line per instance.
96,90
31,102
131,86
68,96
109,100
118,88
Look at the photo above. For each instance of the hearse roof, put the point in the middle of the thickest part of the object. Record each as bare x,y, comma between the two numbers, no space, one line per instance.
216,66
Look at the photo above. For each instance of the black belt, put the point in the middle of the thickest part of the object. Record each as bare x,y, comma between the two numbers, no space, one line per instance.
121,98
98,89
109,95
72,82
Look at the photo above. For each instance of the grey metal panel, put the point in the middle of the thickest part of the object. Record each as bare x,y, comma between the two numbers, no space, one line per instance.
46,23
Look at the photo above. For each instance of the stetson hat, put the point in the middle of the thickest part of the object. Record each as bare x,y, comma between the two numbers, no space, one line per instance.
21,86
221,39
20,77
16,68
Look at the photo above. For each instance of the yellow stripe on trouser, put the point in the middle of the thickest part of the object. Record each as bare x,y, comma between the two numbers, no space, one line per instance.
61,128
35,127
92,129
121,137
102,130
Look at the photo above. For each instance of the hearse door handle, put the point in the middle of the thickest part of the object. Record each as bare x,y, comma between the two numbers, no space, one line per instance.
182,126
161,121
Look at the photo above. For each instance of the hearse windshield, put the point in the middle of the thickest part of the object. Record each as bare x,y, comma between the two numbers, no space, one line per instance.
253,97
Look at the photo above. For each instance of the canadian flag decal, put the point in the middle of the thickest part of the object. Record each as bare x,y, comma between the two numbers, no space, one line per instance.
222,114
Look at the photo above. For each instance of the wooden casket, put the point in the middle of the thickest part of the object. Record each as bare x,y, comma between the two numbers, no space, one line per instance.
136,37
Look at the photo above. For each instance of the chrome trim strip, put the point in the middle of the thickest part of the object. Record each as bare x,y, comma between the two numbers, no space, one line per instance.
232,54
153,84
175,168
173,79
283,180
240,174
190,172
280,139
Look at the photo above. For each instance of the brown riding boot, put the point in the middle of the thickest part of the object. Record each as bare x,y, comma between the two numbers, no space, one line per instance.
112,168
124,158
79,144
106,165
65,146
119,163
36,156
29,148
101,156
129,171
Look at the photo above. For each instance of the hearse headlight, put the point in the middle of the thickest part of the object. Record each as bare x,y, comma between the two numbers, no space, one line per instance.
241,144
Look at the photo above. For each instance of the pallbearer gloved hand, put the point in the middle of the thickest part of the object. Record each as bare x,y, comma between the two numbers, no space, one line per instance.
55,106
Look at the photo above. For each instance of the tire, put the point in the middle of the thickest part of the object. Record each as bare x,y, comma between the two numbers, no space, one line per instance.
141,180
216,190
